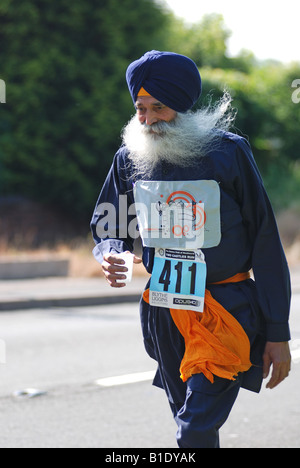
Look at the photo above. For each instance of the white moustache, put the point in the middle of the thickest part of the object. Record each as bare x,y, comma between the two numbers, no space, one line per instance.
158,128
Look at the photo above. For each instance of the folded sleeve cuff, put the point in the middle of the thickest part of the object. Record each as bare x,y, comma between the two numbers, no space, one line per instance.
114,246
278,332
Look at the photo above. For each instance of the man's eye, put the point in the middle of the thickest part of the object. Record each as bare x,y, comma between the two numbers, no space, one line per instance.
160,108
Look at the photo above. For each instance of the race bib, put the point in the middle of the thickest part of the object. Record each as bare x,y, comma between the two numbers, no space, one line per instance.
178,279
178,214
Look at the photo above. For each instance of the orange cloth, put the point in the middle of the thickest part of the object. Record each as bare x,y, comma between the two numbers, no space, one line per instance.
143,92
215,342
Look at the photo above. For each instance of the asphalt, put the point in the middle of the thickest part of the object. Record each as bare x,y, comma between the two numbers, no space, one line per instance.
77,292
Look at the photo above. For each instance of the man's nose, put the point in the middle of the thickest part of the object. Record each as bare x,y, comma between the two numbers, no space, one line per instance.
150,118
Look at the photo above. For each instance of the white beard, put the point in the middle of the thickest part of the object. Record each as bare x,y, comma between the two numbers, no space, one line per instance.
188,137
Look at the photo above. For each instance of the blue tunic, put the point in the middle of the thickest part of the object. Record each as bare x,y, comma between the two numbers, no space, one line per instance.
249,241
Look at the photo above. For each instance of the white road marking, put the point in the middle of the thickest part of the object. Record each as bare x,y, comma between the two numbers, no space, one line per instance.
125,379
149,375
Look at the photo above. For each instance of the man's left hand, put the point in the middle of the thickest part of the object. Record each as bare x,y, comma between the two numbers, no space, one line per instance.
277,354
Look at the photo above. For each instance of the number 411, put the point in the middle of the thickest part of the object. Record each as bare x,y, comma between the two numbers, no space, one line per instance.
166,275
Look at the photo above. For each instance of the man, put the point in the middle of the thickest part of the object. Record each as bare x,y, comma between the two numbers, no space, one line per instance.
205,222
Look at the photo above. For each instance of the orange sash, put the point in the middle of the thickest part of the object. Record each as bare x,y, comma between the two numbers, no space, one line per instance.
215,342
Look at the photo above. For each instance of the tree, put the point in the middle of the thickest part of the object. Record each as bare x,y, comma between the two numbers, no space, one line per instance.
204,42
268,117
64,66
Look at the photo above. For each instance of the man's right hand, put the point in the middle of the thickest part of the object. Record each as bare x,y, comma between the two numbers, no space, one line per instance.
113,269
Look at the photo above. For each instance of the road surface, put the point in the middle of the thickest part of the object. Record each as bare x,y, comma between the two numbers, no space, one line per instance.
68,353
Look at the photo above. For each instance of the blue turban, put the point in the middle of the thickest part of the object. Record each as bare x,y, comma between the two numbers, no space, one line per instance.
170,78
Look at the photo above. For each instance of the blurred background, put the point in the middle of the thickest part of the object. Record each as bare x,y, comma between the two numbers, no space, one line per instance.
64,67
66,102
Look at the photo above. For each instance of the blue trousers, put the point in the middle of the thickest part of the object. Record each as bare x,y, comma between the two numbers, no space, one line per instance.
199,407
205,410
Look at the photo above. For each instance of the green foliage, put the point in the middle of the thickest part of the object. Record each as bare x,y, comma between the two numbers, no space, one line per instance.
64,66
204,42
270,119
262,96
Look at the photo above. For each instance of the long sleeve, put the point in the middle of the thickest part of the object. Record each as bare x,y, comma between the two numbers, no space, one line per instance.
111,219
268,259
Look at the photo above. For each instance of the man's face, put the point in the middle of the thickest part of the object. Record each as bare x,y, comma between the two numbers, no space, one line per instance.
150,111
